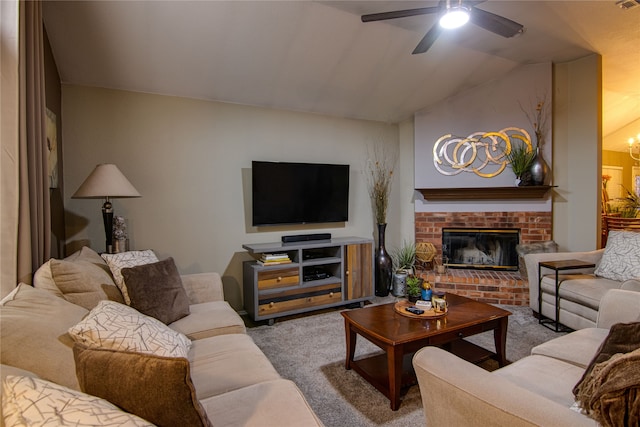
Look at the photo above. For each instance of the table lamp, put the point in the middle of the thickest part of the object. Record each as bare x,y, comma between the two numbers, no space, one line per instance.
106,181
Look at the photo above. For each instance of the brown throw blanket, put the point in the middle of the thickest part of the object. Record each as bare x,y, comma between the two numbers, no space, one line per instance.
609,392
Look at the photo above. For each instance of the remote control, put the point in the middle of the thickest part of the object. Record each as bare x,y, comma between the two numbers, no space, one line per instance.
414,310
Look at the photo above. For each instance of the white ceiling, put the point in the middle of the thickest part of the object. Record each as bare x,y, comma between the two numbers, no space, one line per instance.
317,56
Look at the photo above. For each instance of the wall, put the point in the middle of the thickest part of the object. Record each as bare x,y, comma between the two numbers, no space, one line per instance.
9,134
491,107
53,90
191,161
577,154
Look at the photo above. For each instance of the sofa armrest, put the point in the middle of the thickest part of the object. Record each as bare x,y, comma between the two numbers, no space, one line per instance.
631,285
458,393
532,260
618,306
203,287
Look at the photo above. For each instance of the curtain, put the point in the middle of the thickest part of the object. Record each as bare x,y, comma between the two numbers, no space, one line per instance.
34,223
9,84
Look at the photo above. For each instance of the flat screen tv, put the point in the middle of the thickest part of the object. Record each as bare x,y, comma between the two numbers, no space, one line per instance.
299,193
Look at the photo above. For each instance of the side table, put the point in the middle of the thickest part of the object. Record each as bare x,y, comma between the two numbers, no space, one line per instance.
557,266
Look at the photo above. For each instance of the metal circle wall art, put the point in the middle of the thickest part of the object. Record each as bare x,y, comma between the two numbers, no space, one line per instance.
481,153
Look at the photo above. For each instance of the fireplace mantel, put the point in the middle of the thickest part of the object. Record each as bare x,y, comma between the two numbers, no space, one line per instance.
486,193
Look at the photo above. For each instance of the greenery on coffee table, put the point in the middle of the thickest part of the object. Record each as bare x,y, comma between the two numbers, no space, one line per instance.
414,286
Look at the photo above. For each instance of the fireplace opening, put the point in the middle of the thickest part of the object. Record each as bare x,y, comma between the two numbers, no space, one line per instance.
481,248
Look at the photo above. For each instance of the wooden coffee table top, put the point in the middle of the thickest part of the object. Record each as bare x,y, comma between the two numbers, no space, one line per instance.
382,322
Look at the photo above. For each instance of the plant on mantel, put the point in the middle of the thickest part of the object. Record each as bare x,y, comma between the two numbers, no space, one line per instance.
520,157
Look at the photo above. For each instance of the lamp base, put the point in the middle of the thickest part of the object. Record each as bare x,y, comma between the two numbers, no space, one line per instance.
107,218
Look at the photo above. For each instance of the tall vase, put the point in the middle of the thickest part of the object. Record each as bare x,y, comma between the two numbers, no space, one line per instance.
539,169
384,265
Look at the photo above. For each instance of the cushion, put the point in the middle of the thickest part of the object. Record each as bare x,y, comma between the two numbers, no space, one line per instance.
34,402
209,319
622,338
156,290
270,403
158,389
117,262
84,279
621,257
33,332
119,327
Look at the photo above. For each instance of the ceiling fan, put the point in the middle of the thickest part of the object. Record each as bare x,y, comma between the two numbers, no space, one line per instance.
453,14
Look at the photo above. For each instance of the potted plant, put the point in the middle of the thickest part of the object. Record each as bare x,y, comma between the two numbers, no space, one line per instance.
414,287
404,257
520,158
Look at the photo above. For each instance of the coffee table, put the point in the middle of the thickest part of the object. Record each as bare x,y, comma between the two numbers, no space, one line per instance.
401,336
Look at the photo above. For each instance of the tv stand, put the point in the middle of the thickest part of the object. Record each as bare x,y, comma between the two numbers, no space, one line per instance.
321,274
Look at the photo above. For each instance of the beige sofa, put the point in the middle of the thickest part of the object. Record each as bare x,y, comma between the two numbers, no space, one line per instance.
580,290
533,391
234,381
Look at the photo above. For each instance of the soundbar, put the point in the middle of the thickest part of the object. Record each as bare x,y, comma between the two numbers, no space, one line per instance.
306,237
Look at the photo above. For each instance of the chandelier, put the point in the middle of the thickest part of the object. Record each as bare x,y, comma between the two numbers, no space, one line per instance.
634,147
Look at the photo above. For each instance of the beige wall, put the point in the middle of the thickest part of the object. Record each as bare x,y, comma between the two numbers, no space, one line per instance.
577,153
191,161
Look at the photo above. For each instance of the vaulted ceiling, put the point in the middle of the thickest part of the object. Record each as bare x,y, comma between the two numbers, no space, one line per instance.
318,56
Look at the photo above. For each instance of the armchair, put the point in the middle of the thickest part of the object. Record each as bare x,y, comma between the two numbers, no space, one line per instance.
534,391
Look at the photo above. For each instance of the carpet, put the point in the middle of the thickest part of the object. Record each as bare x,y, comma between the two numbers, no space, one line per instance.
310,350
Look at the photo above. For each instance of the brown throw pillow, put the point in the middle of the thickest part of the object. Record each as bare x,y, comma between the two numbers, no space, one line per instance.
158,389
156,290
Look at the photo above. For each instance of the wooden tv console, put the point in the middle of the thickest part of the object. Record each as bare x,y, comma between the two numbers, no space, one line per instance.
272,291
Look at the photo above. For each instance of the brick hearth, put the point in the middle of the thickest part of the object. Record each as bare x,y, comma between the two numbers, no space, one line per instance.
501,287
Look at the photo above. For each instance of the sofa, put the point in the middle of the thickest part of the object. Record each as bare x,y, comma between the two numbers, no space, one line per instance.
533,391
582,290
202,365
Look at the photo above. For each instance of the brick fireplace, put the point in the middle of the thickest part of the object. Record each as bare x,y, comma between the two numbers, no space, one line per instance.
500,287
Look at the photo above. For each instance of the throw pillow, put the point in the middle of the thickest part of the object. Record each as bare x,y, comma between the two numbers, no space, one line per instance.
621,258
158,389
34,402
156,290
117,262
85,279
622,338
33,333
119,327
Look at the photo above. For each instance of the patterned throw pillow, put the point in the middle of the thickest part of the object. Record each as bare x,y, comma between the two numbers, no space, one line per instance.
117,262
621,258
119,327
34,402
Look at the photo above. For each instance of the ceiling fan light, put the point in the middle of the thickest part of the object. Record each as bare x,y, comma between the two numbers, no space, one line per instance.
455,17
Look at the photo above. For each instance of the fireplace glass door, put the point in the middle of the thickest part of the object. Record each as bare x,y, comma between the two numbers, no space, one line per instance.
481,248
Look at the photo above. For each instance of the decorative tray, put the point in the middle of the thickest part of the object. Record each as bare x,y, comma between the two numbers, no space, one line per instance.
400,306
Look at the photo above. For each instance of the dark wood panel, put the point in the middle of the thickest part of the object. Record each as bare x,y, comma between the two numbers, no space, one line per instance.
486,193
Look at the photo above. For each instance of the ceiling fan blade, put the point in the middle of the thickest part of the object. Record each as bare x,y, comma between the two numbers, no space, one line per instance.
497,24
428,40
399,14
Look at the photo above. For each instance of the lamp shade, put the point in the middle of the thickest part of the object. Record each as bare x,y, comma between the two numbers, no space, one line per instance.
106,180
